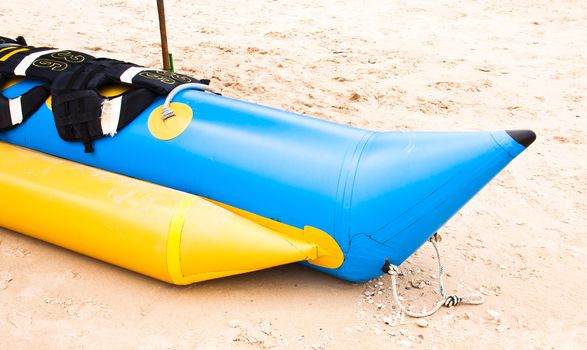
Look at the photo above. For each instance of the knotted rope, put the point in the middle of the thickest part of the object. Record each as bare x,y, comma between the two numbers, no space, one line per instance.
447,300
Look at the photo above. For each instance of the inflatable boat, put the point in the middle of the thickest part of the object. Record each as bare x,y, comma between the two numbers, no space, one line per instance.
378,195
159,232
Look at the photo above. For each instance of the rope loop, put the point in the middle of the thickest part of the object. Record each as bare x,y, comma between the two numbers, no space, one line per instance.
447,300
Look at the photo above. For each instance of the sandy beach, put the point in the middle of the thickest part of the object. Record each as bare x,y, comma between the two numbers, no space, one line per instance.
420,65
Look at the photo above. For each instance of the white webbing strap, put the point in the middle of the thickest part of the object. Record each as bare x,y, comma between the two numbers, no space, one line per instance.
15,107
130,73
110,115
20,70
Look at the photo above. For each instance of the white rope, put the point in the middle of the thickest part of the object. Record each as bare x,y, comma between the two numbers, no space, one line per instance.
167,111
448,301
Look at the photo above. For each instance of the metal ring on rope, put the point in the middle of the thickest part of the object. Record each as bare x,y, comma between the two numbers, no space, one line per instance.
167,112
448,301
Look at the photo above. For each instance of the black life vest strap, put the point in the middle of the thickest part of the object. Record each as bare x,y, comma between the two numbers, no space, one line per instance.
39,63
19,41
159,81
12,56
79,110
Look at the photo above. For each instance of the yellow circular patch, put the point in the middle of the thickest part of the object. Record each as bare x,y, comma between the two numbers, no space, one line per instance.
171,127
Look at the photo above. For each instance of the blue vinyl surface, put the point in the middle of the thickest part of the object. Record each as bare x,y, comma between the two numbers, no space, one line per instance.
379,194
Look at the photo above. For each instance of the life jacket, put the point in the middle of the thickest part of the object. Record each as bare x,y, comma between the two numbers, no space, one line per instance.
81,113
38,63
14,111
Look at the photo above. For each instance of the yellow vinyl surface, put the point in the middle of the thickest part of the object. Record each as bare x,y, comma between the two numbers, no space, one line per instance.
163,233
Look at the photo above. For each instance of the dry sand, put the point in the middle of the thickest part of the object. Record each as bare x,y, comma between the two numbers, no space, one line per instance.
425,65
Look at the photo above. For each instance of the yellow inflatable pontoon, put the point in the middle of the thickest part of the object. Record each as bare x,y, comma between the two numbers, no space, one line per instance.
159,232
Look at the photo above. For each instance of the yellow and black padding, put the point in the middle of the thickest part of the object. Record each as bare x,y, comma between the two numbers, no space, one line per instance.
80,112
40,63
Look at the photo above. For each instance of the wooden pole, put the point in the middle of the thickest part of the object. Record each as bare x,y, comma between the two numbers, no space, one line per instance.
163,31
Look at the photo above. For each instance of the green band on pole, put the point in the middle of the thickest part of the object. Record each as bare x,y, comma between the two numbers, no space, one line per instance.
171,69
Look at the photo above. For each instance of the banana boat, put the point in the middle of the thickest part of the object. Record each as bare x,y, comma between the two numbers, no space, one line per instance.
378,195
156,231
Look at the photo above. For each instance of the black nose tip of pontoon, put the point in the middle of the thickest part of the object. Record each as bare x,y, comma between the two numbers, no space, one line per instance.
523,137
